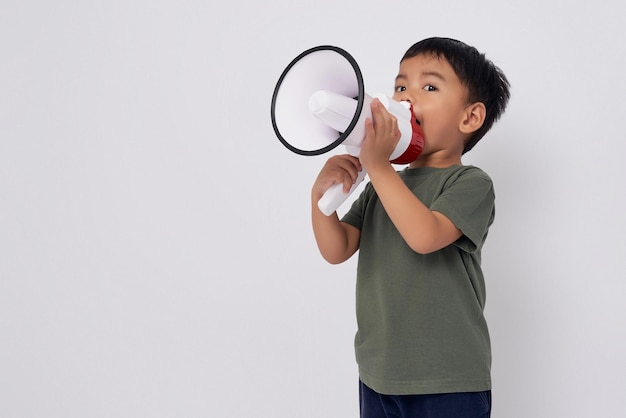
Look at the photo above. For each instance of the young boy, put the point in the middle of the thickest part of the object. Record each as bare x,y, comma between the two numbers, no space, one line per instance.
422,344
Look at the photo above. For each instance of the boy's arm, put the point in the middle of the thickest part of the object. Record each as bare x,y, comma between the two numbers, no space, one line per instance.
425,231
336,240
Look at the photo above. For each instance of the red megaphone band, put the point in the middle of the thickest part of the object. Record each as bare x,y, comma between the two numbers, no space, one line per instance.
415,146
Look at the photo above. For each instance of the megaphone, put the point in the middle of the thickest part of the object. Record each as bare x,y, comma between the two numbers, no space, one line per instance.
320,102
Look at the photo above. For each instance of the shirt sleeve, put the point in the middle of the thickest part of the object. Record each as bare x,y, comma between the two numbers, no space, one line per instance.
469,202
355,214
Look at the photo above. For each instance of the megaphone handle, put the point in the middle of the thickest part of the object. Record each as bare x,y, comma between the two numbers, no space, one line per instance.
335,196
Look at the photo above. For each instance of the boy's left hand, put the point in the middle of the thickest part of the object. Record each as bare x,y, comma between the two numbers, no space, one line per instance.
381,137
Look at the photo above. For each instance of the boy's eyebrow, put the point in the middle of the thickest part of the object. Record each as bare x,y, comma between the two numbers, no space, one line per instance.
435,74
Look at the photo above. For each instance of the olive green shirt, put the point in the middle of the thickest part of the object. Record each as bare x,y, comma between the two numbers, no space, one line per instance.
421,327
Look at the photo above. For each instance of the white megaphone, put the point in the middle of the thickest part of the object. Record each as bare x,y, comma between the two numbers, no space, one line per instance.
319,103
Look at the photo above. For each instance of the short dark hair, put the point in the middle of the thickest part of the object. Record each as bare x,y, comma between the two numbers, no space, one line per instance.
485,82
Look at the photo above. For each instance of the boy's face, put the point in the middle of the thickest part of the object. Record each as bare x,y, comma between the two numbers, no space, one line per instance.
439,100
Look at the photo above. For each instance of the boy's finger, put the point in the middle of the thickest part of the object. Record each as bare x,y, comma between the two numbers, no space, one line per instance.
352,169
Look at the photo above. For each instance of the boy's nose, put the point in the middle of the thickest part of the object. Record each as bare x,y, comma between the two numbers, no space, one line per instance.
405,97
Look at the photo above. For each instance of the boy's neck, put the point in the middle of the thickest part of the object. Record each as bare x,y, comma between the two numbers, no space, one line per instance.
436,161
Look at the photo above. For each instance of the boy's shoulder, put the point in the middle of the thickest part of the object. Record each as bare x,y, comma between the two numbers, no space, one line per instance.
468,174
472,170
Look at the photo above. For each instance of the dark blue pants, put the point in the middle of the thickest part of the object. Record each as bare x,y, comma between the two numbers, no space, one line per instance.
441,405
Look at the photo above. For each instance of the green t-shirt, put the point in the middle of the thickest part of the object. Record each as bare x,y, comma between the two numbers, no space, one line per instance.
421,327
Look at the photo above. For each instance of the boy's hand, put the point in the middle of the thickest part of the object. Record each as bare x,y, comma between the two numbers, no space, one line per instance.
338,169
381,137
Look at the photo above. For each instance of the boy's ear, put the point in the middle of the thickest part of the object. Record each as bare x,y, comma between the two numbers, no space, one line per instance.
473,118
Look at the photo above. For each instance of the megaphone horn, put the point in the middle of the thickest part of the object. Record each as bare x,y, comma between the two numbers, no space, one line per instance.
320,102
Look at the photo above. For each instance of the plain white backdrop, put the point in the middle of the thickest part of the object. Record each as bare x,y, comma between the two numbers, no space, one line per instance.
156,257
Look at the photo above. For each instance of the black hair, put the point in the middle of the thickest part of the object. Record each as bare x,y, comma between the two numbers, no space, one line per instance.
485,82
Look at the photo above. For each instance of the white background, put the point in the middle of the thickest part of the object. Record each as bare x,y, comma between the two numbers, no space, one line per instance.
156,257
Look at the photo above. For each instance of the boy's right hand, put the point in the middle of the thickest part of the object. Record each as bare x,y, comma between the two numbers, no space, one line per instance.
338,169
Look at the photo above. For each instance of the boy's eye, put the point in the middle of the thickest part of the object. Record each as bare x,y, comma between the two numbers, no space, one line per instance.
430,87
400,89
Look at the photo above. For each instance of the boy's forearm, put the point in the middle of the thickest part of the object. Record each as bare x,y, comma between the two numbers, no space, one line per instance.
334,241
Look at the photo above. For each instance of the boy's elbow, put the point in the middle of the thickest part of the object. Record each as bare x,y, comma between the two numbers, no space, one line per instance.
423,249
432,240
334,259
425,246
334,262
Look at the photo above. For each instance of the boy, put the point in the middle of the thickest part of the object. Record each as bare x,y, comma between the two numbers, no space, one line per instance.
422,343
